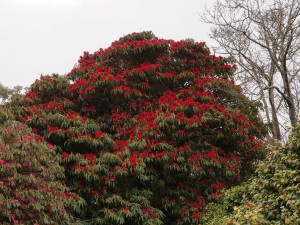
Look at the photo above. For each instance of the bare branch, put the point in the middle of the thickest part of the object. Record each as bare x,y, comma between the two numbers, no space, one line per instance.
264,38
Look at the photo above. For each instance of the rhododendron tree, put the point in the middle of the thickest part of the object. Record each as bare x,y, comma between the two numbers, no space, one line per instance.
31,191
149,129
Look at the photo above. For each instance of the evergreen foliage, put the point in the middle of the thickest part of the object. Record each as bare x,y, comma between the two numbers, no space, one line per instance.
271,197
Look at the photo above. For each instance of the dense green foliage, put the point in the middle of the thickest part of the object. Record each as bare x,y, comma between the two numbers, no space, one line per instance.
149,130
31,191
272,196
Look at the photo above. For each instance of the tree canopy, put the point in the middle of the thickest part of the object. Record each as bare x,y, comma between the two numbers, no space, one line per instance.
7,94
149,130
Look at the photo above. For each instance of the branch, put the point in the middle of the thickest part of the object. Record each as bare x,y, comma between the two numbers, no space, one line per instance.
279,91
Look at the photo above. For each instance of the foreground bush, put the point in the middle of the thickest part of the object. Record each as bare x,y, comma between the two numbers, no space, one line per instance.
149,129
31,191
272,196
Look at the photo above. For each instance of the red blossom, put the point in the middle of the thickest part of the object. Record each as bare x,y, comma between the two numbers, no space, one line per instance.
65,155
98,134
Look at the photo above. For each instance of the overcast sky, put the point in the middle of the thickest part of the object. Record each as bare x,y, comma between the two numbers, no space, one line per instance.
48,36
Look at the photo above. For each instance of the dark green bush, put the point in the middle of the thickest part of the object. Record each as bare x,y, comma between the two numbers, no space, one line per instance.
272,196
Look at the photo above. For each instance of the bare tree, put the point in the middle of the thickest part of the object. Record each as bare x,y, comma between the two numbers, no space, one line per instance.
264,38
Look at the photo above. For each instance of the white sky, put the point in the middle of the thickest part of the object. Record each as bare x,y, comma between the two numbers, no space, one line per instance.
48,36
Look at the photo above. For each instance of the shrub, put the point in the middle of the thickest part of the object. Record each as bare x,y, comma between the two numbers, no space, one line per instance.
31,191
272,196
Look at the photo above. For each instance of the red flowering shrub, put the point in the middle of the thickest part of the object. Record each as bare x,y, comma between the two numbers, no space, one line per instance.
149,129
30,178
